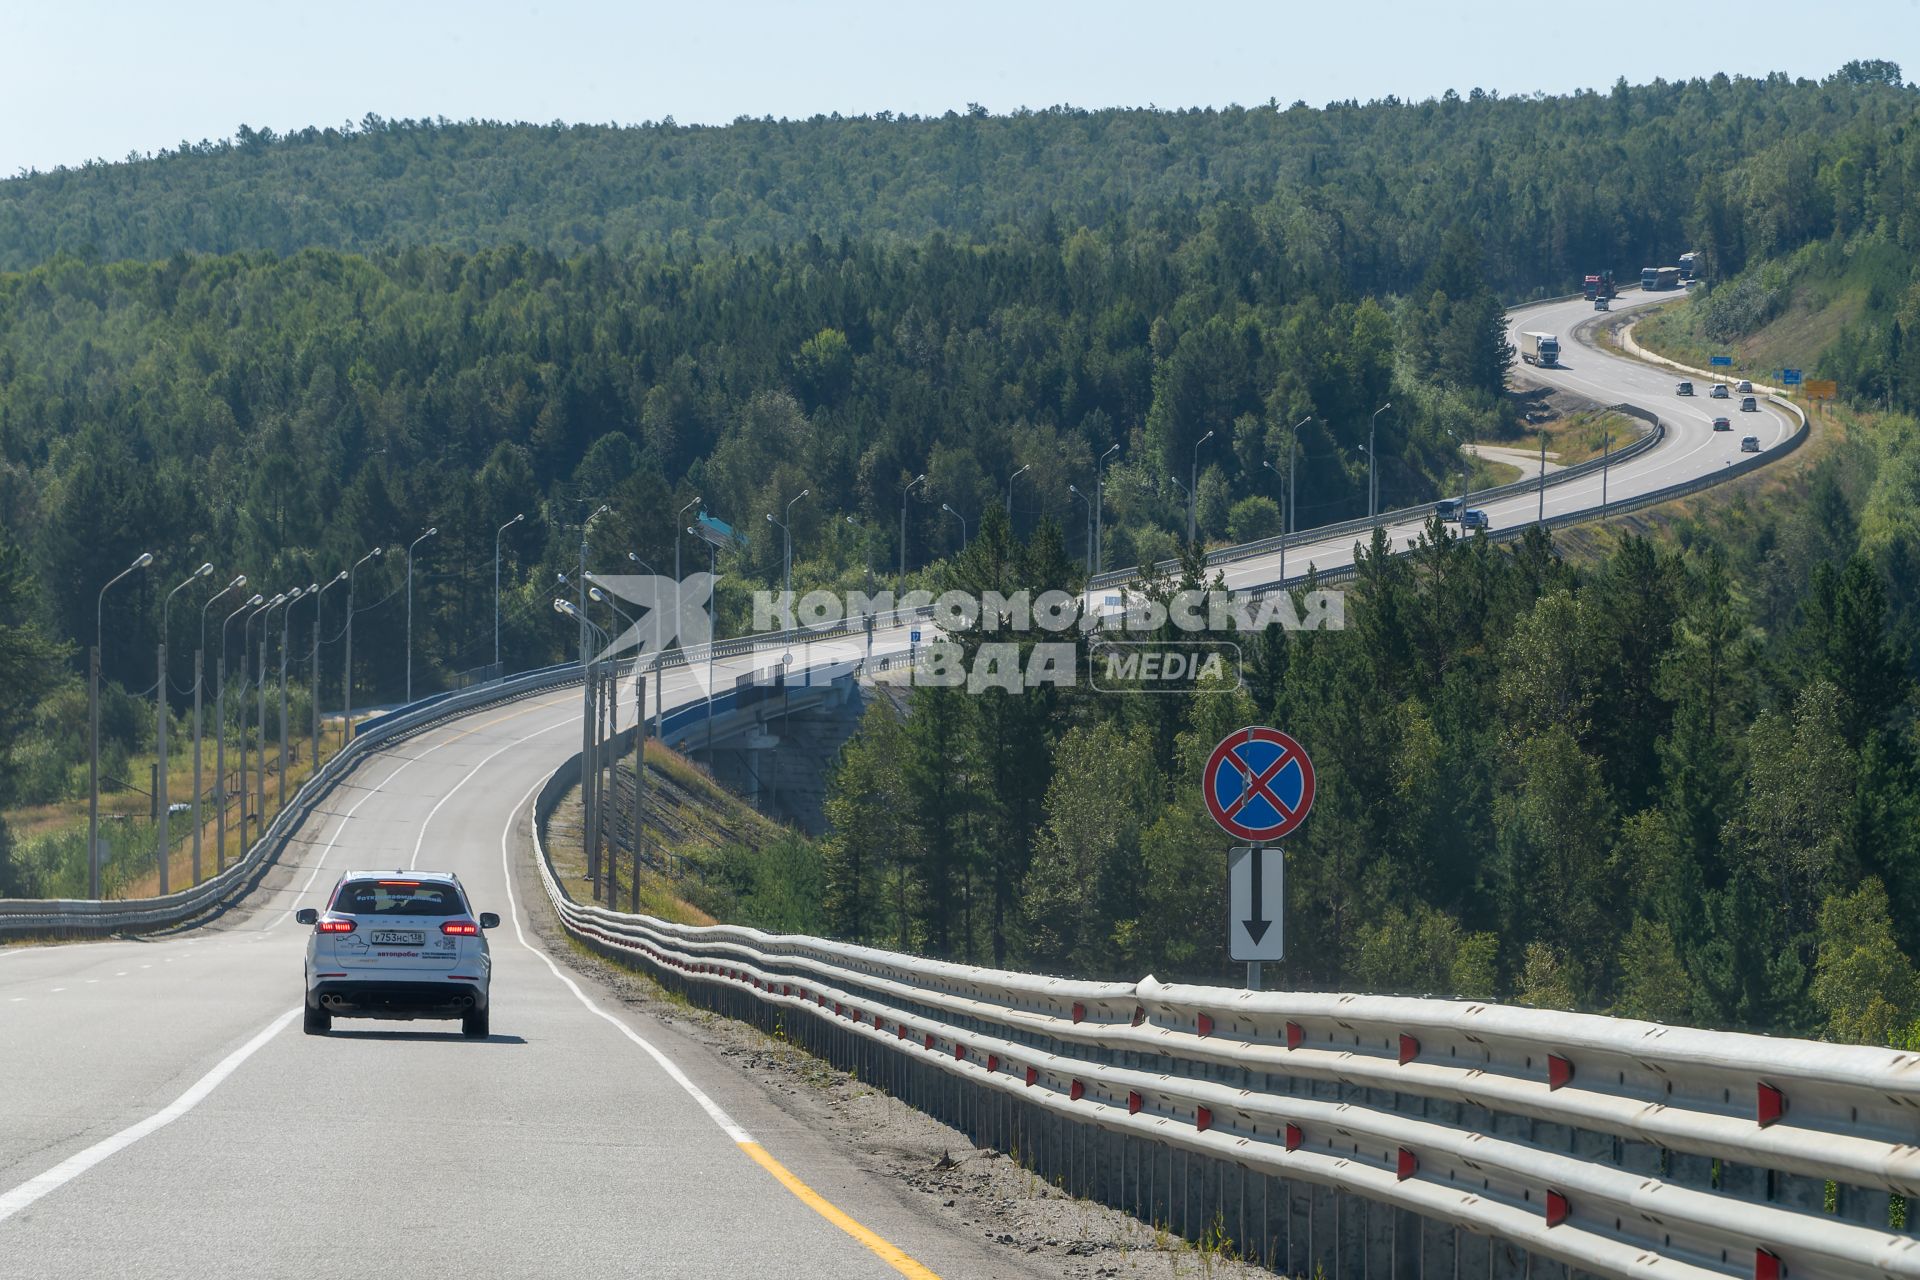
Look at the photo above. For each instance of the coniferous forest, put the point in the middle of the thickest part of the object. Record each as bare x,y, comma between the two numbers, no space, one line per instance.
1674,776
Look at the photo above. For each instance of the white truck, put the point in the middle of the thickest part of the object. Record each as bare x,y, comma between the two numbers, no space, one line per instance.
1540,348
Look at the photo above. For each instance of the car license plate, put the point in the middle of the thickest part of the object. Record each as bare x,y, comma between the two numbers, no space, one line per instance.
396,938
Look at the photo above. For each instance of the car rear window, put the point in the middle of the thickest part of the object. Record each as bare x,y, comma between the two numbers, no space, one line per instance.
399,898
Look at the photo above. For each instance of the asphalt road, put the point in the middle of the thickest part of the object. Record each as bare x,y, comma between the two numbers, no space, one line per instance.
162,1115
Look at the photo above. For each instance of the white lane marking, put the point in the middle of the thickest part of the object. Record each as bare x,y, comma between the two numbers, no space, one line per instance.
334,839
75,1165
91,981
666,1064
121,974
16,1000
420,840
57,990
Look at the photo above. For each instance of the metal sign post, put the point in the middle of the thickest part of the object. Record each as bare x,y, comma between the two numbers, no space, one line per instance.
1258,785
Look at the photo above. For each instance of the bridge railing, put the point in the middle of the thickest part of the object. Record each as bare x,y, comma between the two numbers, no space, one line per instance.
1617,1147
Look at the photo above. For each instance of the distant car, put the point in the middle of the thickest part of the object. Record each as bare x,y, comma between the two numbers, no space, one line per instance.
402,945
1719,391
1744,387
1447,508
1750,444
1474,518
1684,389
1749,405
1600,304
1722,424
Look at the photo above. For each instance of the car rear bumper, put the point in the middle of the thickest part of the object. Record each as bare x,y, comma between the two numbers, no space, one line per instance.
376,998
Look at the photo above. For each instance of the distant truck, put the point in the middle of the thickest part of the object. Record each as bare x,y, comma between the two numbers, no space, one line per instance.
1654,278
1540,348
1599,285
1689,262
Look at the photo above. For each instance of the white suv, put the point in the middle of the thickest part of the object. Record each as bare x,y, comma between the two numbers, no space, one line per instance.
398,944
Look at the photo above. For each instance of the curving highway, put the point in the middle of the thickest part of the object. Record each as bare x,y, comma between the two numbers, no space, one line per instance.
163,1116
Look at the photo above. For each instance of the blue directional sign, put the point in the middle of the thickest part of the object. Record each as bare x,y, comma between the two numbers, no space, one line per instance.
913,637
1790,377
1720,360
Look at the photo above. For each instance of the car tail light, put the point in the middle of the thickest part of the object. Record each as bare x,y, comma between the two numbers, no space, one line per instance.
461,928
334,924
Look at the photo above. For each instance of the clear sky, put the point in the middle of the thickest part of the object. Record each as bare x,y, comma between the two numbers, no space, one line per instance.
83,78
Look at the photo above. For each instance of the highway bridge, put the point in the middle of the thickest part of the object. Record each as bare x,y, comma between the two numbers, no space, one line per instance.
163,1116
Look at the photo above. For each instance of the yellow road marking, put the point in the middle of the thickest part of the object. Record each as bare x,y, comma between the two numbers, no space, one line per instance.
887,1252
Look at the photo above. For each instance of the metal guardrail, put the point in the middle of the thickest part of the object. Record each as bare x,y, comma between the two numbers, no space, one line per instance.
72,916
1617,1147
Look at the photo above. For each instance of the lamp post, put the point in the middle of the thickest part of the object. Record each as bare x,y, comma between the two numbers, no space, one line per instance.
260,774
1286,523
140,561
713,570
1010,479
1088,503
1373,485
581,604
246,625
677,518
588,748
866,536
963,524
346,676
1099,532
1193,481
220,744
787,560
163,844
313,675
496,589
410,546
199,674
919,479
286,618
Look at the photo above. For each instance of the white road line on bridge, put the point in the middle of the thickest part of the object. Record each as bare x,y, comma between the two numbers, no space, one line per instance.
75,1165
420,840
878,1245
371,792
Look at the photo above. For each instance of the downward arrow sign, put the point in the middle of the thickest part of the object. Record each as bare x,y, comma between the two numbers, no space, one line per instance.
1258,925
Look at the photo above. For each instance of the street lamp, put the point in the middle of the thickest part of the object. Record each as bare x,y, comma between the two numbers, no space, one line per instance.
1100,551
199,679
220,744
589,748
1286,522
787,531
581,607
260,775
286,618
496,589
246,625
678,515
1373,486
410,546
867,537
313,676
1088,502
141,561
1193,481
919,479
163,844
963,524
346,676
1010,479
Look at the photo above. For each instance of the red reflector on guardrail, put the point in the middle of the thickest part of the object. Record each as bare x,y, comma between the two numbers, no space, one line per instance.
1557,1208
1559,1070
1033,1076
1205,1023
1079,1011
928,1040
902,1029
1133,1103
1203,1118
1766,1265
1409,1049
1139,1014
1293,1137
1076,1091
1770,1106
993,1062
1294,1035
1407,1166
960,1052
